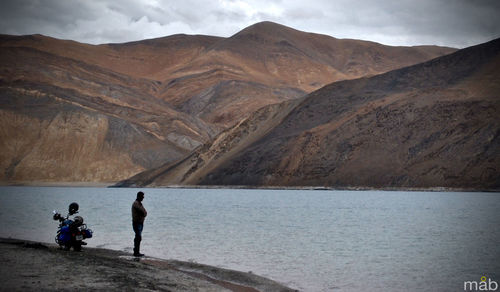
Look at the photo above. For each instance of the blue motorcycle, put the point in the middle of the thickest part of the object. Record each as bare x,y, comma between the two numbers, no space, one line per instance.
71,232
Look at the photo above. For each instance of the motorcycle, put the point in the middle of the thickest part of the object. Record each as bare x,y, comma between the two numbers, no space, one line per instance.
71,232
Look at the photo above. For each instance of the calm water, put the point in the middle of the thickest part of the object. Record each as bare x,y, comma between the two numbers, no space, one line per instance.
309,240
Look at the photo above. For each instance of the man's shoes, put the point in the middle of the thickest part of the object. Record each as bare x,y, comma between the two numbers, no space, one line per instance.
138,254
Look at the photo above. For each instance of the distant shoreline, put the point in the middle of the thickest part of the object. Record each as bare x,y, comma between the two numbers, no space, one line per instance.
305,188
317,188
57,184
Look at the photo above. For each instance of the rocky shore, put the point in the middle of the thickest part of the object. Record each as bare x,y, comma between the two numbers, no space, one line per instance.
32,266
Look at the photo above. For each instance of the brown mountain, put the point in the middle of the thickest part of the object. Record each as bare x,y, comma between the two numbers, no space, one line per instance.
433,124
268,63
67,117
79,112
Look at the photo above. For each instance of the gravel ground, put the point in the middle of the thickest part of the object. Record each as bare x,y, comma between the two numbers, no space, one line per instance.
31,266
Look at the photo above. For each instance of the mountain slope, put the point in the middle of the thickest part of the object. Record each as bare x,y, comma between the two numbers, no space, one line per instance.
79,112
434,124
66,120
269,63
148,59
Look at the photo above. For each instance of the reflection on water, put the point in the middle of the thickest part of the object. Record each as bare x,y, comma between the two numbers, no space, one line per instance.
310,240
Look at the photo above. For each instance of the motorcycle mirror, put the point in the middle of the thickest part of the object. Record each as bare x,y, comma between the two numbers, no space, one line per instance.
56,216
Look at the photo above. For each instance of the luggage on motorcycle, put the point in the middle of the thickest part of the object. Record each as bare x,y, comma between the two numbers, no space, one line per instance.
64,235
78,221
88,233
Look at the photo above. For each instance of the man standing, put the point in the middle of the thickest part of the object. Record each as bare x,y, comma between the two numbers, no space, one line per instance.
138,215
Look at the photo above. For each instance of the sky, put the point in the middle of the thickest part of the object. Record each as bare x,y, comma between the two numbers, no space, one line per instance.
454,23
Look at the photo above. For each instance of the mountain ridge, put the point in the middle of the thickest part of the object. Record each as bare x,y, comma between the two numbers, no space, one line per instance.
153,102
327,139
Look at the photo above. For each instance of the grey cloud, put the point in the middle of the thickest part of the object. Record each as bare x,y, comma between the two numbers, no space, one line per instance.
135,10
228,16
306,13
24,16
456,23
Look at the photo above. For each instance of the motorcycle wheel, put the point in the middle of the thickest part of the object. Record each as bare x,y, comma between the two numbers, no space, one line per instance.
77,246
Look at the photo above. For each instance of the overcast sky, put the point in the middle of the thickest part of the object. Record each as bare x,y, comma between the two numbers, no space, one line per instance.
456,23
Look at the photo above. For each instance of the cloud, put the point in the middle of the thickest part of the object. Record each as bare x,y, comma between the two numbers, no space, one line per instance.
456,23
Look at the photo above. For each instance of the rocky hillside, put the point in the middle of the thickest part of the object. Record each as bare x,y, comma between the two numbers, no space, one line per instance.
429,125
268,63
66,120
77,112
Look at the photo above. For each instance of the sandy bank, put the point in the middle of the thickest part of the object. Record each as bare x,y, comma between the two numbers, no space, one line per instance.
30,266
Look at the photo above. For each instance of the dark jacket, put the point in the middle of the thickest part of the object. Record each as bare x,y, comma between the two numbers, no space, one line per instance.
138,212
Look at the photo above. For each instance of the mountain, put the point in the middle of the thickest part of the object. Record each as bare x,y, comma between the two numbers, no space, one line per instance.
268,63
102,113
65,119
429,125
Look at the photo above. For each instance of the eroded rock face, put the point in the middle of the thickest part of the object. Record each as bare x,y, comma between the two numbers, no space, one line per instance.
74,144
78,112
434,124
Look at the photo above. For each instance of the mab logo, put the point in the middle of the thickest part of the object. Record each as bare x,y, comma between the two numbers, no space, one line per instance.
486,284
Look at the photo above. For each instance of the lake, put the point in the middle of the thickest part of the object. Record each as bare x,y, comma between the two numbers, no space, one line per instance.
308,240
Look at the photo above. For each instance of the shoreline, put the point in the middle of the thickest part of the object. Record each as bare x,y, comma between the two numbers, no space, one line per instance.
300,188
57,184
316,188
34,266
